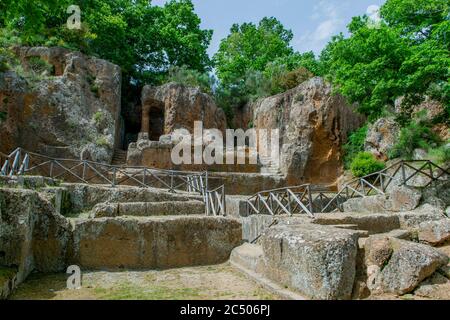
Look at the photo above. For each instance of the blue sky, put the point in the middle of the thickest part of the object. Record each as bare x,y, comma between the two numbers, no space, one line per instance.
312,21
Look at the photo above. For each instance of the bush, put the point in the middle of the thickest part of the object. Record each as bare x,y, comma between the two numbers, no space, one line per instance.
102,142
416,134
354,145
365,163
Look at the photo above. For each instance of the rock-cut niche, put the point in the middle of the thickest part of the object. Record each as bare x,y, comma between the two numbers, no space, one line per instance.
153,119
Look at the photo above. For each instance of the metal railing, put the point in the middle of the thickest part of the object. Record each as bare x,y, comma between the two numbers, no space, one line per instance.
304,199
21,162
310,199
400,173
215,202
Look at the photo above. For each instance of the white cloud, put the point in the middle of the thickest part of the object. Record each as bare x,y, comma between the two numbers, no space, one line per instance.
333,21
373,12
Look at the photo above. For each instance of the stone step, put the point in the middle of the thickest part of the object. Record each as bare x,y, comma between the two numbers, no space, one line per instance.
148,209
154,242
119,157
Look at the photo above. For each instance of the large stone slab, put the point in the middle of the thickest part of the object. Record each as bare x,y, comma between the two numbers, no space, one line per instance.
372,222
166,242
317,261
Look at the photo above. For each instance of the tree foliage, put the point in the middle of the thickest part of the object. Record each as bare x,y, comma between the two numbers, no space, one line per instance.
251,47
406,55
145,40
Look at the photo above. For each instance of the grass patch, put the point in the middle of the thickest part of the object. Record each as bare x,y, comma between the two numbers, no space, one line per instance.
128,291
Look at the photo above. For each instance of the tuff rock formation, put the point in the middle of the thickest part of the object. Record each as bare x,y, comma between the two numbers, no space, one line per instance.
181,107
381,137
71,112
313,124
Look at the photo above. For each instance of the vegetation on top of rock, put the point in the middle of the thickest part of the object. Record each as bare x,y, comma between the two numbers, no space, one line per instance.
39,66
256,61
365,163
405,55
144,39
417,134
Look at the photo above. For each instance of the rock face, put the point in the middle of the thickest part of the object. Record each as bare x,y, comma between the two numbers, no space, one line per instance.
313,125
399,266
381,137
154,242
318,261
32,234
181,107
70,113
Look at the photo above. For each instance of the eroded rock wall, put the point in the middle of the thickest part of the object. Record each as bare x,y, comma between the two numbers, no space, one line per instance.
183,106
32,234
71,113
313,124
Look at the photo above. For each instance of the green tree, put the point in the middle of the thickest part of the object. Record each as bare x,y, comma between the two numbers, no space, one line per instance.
145,40
407,55
251,47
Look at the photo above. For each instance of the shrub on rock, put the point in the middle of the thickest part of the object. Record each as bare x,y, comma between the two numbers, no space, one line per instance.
365,163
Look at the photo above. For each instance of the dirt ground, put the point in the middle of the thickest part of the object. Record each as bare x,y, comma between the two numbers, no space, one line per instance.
197,283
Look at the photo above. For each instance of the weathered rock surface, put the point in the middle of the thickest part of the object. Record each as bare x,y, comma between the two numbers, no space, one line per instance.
372,222
313,125
436,287
398,199
399,266
84,197
412,219
402,198
32,234
249,256
168,242
317,261
147,209
71,113
183,106
435,232
381,137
